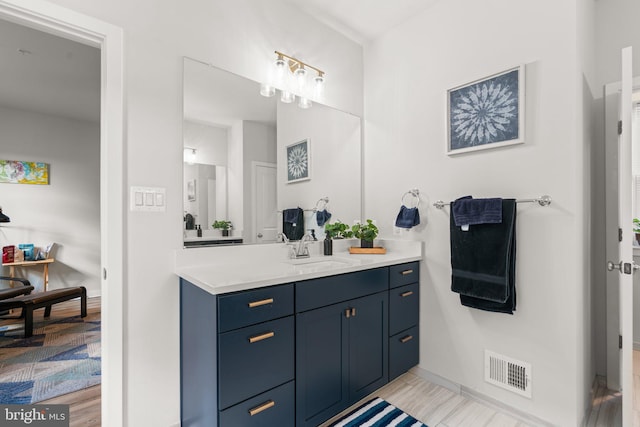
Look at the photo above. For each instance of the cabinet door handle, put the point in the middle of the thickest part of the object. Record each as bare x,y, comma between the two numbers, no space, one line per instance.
253,304
406,339
262,407
406,294
347,313
405,272
261,337
353,312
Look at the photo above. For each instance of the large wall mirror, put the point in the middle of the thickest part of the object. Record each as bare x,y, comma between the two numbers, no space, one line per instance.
242,157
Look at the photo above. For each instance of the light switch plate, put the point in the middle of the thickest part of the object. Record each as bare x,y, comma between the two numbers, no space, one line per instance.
147,199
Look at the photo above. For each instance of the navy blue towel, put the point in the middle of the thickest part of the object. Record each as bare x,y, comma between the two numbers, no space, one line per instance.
293,223
407,217
483,262
467,210
291,215
322,217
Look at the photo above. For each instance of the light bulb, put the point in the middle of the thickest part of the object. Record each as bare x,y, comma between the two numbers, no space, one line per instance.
280,62
319,85
267,90
301,76
304,103
287,97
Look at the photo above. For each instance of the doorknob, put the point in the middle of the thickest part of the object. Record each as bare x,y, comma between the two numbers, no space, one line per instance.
611,266
623,267
259,235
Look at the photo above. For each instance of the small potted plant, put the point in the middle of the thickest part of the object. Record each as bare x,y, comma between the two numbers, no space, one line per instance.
336,230
223,225
636,228
366,233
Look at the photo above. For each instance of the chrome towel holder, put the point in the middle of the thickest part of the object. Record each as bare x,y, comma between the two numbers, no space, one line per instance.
415,193
542,201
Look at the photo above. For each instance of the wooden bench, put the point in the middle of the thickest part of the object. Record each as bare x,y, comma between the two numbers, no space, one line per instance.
46,299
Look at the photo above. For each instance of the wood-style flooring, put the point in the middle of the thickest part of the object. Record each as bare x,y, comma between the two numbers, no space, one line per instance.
432,404
84,409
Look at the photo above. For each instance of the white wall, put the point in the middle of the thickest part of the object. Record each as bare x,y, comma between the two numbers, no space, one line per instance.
405,139
239,36
210,142
67,211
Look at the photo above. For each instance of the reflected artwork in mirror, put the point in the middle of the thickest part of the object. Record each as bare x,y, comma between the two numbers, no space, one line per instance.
235,160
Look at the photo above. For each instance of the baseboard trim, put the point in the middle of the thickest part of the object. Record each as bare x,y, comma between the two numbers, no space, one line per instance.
525,417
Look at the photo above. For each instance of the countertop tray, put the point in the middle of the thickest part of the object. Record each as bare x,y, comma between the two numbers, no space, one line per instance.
376,250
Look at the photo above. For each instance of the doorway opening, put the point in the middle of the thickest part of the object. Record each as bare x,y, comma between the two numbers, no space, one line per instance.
69,24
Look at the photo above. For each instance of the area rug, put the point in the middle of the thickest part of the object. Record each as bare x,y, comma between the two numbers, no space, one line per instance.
61,357
377,413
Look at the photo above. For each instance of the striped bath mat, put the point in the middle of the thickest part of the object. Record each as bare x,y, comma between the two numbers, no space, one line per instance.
377,413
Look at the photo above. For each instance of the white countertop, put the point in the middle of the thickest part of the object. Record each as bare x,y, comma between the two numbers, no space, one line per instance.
218,270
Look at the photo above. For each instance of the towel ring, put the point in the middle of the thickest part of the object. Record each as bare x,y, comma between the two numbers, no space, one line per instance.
415,193
323,200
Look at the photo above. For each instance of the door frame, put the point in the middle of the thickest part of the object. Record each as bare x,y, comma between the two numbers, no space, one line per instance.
66,23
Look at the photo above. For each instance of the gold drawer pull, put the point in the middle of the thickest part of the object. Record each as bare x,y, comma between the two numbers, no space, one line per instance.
405,339
404,273
406,294
263,407
261,337
261,302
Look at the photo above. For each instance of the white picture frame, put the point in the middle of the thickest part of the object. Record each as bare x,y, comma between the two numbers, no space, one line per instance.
298,158
487,113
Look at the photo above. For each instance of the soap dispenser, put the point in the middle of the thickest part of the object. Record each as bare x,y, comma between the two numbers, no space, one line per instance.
199,230
328,244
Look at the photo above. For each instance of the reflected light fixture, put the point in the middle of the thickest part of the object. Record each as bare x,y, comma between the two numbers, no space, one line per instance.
189,155
291,72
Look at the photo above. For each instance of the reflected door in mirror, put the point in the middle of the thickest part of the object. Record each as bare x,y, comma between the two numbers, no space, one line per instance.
265,213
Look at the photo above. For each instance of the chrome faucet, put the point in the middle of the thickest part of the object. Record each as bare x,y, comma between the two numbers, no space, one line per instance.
302,250
283,237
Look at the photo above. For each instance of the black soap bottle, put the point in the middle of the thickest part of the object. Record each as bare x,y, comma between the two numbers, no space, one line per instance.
199,229
328,245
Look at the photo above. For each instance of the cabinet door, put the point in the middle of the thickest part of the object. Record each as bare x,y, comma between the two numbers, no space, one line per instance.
321,364
368,345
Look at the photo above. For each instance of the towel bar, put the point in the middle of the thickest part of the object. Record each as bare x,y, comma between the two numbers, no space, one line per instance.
542,201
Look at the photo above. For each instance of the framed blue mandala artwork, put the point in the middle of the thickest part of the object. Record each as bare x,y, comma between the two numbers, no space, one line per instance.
298,161
486,113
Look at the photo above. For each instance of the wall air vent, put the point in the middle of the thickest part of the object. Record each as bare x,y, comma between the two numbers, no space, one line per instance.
510,374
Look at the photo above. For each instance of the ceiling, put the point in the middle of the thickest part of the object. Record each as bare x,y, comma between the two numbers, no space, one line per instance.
47,74
362,20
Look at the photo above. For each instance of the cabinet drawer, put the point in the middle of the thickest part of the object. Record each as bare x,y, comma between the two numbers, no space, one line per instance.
273,408
404,352
254,359
404,303
325,291
250,307
404,274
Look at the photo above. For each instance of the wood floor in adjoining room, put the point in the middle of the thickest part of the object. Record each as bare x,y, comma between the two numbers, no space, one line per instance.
84,405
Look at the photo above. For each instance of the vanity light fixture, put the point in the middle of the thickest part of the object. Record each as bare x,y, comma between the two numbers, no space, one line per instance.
189,155
293,73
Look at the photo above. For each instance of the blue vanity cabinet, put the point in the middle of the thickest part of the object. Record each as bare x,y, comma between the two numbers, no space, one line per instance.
341,348
404,316
237,357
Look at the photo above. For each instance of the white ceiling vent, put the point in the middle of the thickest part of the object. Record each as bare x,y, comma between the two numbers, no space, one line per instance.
510,374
